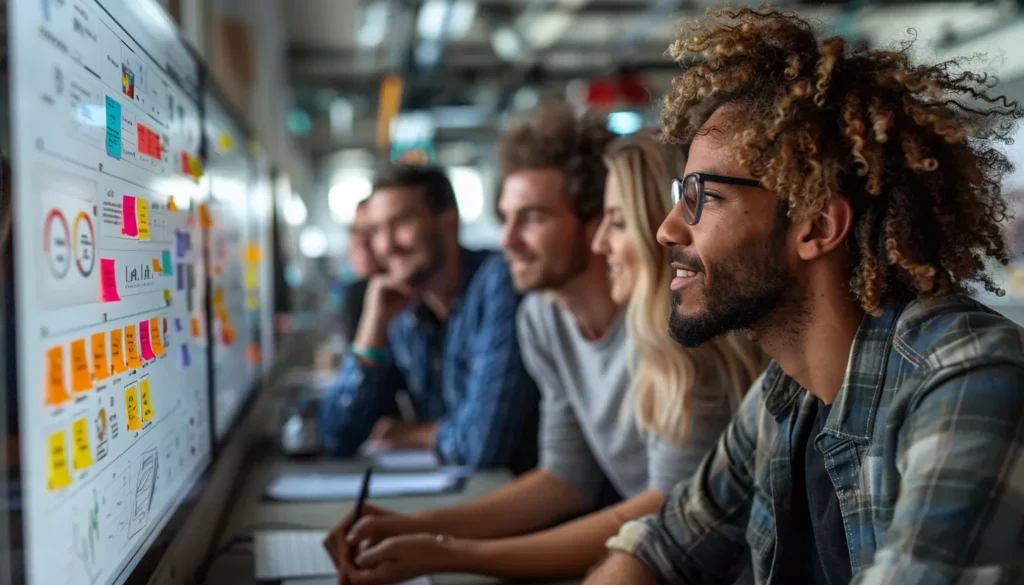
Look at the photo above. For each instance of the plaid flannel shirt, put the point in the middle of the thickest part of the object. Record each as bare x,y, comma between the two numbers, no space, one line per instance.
924,445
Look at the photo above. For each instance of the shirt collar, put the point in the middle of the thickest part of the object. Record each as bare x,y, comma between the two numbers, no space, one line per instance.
854,410
470,261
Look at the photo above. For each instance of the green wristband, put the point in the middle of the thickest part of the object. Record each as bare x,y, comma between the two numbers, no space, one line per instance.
370,354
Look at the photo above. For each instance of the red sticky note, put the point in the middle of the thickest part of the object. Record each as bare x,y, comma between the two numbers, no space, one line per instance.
129,221
143,139
145,342
154,144
108,281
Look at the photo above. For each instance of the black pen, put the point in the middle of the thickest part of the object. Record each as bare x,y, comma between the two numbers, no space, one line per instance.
364,492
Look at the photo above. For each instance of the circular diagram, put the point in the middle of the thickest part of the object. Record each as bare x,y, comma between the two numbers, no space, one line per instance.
56,243
84,244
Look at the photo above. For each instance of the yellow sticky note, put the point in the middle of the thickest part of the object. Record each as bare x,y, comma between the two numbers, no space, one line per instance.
80,379
196,167
218,297
167,296
252,277
171,204
132,347
56,391
142,208
81,456
156,337
57,476
224,142
156,266
147,403
252,303
100,369
253,254
117,364
131,407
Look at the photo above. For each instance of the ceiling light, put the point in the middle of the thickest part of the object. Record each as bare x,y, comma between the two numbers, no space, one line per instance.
432,16
625,122
469,192
507,44
313,242
374,26
294,210
345,195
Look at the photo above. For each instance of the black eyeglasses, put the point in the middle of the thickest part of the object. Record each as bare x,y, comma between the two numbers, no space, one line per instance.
689,192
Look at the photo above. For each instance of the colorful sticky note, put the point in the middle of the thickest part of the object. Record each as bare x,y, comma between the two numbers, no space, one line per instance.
196,331
171,204
156,266
131,348
81,455
113,127
80,379
180,244
117,365
167,297
57,476
168,264
253,254
252,303
224,142
147,402
252,277
252,354
129,221
177,325
56,390
195,167
155,337
145,342
184,360
100,369
205,220
181,276
108,281
143,207
131,407
142,139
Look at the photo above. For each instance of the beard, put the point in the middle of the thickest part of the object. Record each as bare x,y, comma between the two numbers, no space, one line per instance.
550,277
431,260
746,289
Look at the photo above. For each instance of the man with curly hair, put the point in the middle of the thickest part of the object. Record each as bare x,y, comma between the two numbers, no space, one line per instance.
838,204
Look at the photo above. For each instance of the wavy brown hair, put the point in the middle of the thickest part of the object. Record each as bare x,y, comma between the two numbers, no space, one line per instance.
914,148
552,136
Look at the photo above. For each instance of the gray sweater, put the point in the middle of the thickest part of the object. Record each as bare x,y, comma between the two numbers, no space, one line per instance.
588,430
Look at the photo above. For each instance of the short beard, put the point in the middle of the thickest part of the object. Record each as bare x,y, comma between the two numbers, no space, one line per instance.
579,259
435,259
747,290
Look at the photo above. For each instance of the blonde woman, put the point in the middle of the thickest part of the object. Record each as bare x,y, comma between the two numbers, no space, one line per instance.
686,397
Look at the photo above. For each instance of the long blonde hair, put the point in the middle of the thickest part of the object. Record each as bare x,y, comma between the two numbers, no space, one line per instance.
666,375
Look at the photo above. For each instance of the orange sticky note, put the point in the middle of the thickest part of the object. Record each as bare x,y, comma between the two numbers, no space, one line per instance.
56,390
155,337
205,220
117,364
252,254
143,211
132,347
146,348
171,204
108,281
81,455
146,402
131,407
195,327
100,369
156,266
57,476
80,380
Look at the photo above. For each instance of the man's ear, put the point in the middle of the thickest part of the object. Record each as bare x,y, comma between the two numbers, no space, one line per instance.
825,231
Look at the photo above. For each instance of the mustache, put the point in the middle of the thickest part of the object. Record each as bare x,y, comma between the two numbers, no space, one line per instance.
677,256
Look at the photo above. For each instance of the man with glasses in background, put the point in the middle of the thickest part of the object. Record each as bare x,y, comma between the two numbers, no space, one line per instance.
838,204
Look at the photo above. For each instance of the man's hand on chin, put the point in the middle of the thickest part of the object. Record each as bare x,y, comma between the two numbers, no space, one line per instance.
390,434
620,568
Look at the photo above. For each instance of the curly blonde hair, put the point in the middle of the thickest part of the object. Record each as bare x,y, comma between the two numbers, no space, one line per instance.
912,147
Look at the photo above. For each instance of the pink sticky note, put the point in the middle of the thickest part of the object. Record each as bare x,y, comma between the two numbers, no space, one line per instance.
129,222
108,281
144,341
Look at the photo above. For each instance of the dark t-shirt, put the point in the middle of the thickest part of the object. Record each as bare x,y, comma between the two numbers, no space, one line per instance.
352,307
819,555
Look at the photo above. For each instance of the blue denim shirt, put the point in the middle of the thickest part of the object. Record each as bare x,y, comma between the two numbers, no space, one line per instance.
924,445
465,373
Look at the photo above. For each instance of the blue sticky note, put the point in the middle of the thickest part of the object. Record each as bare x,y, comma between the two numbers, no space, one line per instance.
183,359
113,128
180,244
181,277
177,325
167,263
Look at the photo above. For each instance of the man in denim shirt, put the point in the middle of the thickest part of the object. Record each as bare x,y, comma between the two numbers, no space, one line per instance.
836,204
442,323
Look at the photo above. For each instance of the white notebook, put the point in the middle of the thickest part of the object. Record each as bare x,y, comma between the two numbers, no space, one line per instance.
298,557
345,486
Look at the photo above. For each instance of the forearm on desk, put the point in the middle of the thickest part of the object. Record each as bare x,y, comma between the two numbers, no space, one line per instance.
534,501
564,551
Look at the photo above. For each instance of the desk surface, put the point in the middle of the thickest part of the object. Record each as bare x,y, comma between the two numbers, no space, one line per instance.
251,512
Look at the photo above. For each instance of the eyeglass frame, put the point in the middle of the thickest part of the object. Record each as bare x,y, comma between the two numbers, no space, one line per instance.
679,184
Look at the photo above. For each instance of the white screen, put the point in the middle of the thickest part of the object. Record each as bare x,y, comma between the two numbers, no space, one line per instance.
114,415
232,272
